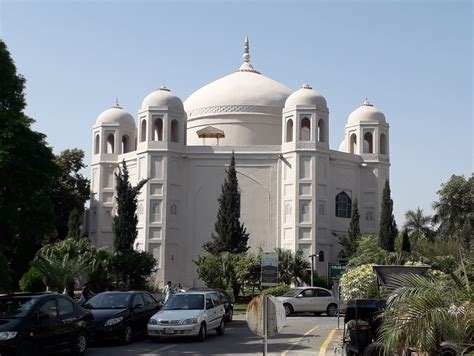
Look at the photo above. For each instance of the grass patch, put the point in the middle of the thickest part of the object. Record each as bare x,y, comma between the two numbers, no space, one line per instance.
240,308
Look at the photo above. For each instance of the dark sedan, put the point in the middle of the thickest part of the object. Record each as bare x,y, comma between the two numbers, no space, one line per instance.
121,315
35,324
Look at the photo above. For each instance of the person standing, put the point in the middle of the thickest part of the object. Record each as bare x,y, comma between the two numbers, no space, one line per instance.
167,291
85,294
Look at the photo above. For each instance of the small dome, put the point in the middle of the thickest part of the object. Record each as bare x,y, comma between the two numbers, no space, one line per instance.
305,96
366,113
116,115
342,146
162,98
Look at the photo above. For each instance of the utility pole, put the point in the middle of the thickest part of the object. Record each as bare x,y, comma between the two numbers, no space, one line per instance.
312,267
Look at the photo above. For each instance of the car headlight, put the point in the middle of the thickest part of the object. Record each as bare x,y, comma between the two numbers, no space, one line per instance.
152,321
113,321
189,321
7,335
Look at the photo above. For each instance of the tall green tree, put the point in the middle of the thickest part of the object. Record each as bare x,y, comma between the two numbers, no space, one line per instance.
388,227
349,242
292,267
27,175
418,225
131,267
454,210
71,189
74,225
406,241
230,235
125,222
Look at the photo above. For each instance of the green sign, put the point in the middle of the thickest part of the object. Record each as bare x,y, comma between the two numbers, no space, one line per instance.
335,271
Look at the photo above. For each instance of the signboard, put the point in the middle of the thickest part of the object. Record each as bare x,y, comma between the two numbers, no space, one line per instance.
275,315
269,269
335,271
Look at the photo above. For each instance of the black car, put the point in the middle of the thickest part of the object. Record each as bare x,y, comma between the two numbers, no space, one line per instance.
35,324
121,315
225,299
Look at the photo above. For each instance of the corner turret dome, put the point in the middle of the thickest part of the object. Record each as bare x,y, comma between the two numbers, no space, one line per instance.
163,98
306,97
366,113
116,115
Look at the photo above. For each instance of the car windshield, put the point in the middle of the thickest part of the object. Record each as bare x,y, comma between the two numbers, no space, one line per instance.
185,302
109,301
292,293
16,307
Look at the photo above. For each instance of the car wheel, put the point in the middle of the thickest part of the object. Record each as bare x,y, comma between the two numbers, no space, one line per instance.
288,309
126,335
374,349
221,329
79,345
202,332
331,310
230,316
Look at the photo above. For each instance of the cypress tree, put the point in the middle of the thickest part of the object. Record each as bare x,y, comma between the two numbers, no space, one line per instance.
388,227
74,225
406,242
349,242
124,225
230,235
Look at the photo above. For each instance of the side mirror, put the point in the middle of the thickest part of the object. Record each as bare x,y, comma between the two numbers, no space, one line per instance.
40,317
299,296
138,306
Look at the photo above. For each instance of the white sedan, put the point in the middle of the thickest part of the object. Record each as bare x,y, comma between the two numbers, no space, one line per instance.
192,313
309,299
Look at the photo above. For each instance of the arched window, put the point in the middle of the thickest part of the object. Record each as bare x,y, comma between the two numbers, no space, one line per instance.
289,130
110,146
174,131
368,143
343,205
143,132
321,256
158,130
321,133
383,144
305,131
353,143
97,144
125,144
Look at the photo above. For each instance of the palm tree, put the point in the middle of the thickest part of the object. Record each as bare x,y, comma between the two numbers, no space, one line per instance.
64,262
423,312
292,267
418,225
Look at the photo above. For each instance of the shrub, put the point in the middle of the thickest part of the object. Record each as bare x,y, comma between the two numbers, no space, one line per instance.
359,283
277,291
32,281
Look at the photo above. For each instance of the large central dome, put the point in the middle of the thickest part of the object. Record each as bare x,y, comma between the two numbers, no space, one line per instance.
245,105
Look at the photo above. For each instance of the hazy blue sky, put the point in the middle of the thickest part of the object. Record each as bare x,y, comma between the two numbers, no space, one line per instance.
413,59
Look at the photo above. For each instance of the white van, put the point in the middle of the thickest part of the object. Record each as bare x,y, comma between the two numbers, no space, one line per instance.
191,313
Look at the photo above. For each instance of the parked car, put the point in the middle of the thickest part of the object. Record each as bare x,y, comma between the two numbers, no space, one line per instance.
121,315
35,324
192,313
225,299
309,299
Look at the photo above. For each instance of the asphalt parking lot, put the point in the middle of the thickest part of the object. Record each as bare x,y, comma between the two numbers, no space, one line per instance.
302,335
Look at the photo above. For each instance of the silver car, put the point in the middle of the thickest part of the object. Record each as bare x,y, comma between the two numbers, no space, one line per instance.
309,299
192,313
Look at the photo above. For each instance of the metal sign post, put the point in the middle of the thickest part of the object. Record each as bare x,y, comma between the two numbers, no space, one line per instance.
265,324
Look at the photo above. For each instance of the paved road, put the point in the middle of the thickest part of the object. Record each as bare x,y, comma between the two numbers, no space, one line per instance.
302,335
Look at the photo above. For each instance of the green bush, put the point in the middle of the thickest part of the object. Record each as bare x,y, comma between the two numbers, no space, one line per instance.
32,281
277,291
359,283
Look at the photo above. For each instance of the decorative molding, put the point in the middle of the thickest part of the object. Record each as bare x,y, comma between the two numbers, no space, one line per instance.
233,108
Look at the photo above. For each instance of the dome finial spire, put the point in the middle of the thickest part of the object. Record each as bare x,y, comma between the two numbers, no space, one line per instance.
366,102
246,66
117,105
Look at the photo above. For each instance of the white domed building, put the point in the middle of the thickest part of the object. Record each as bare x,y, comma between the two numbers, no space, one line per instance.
296,193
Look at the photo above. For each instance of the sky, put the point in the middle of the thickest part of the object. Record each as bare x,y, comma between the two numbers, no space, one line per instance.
412,59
